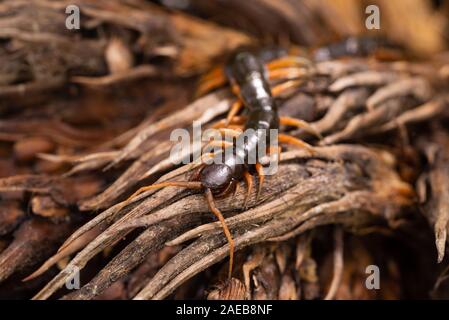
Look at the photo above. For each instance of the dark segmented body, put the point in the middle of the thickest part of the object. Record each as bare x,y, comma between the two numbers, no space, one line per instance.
247,72
353,46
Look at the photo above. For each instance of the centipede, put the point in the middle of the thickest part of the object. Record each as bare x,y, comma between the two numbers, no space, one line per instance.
250,75
249,78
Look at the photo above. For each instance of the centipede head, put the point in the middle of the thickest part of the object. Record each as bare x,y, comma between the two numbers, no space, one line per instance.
216,177
213,180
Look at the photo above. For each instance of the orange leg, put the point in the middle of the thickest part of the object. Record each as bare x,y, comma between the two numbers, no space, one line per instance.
216,77
249,185
237,189
215,72
235,108
287,121
212,80
235,127
206,156
218,143
206,87
227,132
214,209
281,88
235,89
288,62
276,90
261,175
277,149
214,143
283,138
287,73
239,120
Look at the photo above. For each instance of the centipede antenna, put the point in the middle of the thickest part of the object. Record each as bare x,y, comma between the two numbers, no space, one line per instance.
217,213
181,184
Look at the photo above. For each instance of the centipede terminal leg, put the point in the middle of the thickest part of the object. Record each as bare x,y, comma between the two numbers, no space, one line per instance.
288,121
283,138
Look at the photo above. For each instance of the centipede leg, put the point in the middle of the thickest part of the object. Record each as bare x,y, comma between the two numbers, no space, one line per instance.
237,189
235,127
235,108
212,80
249,185
289,66
223,143
206,156
218,143
217,213
261,175
214,73
287,121
228,132
272,149
287,73
239,120
208,86
288,62
283,138
285,86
